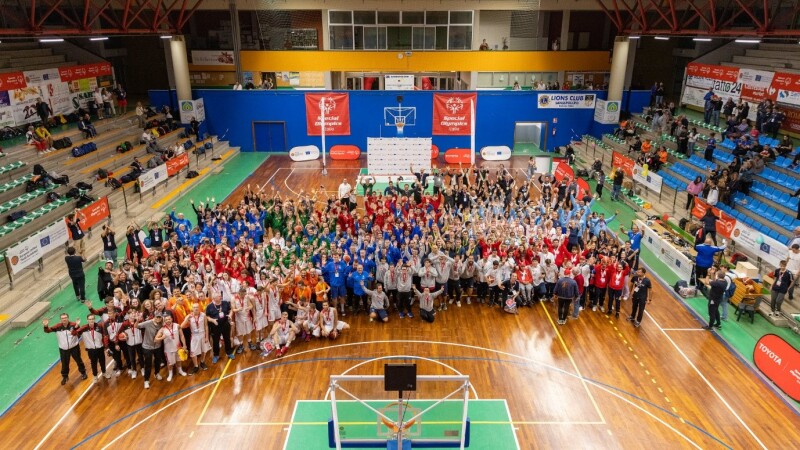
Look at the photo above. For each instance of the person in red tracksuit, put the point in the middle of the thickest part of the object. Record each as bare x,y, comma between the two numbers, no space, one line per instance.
600,283
616,283
68,344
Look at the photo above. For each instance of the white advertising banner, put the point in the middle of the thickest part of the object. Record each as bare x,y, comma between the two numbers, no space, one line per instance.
25,95
62,104
41,76
696,96
152,178
28,251
666,252
769,250
567,100
648,178
789,97
192,108
606,112
6,117
398,82
24,113
212,57
756,79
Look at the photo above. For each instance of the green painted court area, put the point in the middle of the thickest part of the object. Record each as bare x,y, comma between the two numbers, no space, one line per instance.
491,425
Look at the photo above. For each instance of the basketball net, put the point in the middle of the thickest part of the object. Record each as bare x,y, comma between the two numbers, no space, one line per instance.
400,123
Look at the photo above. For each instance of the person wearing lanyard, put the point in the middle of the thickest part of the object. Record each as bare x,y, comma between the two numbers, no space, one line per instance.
76,234
218,313
68,345
641,295
635,236
172,339
94,340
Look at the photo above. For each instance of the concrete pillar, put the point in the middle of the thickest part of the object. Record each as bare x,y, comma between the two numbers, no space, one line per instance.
237,39
180,67
632,45
619,63
565,30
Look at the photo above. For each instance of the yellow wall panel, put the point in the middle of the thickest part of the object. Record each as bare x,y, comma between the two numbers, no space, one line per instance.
491,61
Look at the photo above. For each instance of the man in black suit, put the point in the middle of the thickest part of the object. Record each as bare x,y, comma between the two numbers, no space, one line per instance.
75,270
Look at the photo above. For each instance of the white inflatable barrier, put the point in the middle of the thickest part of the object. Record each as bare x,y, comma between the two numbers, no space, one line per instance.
304,153
496,153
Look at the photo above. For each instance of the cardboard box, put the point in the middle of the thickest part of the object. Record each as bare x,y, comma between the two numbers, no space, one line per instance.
745,269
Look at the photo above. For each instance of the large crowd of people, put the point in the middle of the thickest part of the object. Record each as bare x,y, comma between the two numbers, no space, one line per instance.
272,270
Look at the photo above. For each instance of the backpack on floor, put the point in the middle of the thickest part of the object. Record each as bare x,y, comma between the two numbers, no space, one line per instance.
16,215
192,174
84,186
113,183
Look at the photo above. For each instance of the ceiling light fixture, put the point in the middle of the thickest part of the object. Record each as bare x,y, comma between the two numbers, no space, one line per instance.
51,40
167,36
748,41
98,39
662,38
702,39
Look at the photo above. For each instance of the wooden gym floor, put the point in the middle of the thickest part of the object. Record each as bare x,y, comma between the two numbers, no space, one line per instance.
593,383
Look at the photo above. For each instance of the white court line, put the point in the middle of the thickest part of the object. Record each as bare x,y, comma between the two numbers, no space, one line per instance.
289,431
453,344
513,428
708,383
49,433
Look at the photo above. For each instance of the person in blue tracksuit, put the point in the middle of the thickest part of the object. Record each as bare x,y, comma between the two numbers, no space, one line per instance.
635,236
705,256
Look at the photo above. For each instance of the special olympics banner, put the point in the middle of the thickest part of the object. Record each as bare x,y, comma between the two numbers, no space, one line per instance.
152,178
95,212
563,170
452,113
606,112
85,71
12,80
29,250
762,246
620,161
664,251
337,113
567,100
780,362
648,178
722,73
725,223
177,163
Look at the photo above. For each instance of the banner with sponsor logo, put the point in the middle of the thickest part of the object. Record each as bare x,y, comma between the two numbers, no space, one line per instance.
212,57
563,170
452,113
192,109
95,212
152,178
177,164
337,113
85,71
756,243
722,73
780,362
12,80
24,113
29,250
755,79
41,76
666,252
647,178
725,223
5,100
83,85
24,95
7,117
567,100
620,161
606,112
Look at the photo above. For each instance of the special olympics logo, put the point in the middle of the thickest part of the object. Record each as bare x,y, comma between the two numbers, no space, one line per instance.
327,105
454,105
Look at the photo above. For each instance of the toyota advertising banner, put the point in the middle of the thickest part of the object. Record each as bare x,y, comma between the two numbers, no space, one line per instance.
337,113
780,362
452,113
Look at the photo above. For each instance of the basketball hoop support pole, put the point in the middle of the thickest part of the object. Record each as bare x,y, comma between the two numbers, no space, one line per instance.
322,129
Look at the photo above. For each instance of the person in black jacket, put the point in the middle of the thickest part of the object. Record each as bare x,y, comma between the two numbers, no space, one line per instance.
710,225
783,281
76,274
105,280
716,294
617,184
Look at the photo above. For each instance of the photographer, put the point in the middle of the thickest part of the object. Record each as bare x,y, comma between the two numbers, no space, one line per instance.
109,244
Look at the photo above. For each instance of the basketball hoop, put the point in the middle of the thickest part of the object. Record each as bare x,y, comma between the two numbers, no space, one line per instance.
400,123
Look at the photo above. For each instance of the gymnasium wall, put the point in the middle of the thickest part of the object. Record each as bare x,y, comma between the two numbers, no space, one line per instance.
233,112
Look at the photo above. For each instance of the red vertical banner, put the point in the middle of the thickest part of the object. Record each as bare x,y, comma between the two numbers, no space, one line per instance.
620,161
95,212
337,113
563,170
452,114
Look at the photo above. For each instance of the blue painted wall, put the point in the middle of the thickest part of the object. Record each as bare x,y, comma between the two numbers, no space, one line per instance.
232,113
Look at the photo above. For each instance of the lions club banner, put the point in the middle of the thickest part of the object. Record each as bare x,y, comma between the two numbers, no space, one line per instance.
452,113
336,106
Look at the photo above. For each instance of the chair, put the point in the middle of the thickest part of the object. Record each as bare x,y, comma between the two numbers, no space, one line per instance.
748,307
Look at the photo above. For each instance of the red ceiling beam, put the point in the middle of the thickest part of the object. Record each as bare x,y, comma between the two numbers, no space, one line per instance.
48,13
179,26
166,14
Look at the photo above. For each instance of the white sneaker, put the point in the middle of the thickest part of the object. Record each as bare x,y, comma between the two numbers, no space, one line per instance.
97,378
147,385
107,374
450,301
469,302
117,373
133,374
181,372
159,377
594,308
142,370
458,304
169,377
